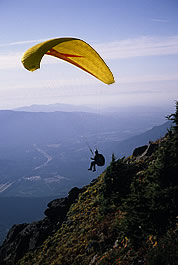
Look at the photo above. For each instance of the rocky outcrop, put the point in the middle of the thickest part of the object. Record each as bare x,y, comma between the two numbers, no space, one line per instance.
25,237
145,150
139,150
57,209
150,149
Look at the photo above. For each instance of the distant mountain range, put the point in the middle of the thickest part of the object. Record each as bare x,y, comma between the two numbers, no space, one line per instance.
56,107
139,111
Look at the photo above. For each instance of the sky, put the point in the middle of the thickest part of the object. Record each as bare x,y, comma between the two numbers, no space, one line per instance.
138,39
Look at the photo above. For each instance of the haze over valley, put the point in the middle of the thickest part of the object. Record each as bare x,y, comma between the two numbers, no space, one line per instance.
47,153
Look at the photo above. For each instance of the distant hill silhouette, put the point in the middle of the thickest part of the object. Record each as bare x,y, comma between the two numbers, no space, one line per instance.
55,107
126,147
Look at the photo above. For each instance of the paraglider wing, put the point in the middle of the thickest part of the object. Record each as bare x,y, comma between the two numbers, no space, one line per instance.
72,50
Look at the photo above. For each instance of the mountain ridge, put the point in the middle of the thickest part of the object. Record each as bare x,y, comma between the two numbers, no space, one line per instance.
55,107
117,219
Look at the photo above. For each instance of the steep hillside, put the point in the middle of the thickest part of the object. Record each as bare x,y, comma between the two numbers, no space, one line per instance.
126,216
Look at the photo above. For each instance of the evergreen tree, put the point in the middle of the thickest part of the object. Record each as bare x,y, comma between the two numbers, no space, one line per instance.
174,118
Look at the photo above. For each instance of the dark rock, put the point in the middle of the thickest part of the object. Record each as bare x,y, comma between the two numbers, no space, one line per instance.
145,150
14,231
22,238
73,193
139,150
151,149
57,209
25,237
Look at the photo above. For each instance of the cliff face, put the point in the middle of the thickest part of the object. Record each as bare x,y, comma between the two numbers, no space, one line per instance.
126,216
22,238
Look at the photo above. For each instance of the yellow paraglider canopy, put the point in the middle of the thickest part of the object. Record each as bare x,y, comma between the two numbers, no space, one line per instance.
72,50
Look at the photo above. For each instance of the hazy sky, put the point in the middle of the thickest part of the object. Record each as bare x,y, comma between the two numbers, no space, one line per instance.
138,39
